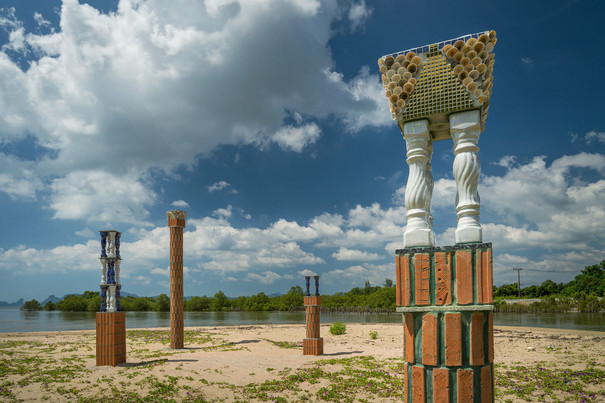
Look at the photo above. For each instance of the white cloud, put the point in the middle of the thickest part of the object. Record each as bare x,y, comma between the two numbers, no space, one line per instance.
358,13
307,272
100,196
593,136
527,61
215,187
266,277
154,85
296,138
40,20
179,203
351,254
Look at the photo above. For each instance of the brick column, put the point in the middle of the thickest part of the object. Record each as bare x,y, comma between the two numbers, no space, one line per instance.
312,344
445,295
111,338
176,223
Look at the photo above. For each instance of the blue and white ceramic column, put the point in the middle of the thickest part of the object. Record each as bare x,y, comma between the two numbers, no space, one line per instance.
110,271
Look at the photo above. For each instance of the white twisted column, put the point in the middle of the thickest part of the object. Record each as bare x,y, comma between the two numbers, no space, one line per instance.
466,128
419,189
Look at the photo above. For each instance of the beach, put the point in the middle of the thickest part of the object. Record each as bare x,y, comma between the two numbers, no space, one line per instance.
265,363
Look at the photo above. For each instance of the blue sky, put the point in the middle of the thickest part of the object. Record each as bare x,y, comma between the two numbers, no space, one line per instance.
266,121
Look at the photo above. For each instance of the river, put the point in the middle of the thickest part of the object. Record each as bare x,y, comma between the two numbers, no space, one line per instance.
14,320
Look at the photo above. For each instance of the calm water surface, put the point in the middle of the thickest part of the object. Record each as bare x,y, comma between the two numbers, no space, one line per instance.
14,320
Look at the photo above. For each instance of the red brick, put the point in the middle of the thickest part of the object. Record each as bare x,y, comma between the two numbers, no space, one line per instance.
408,336
488,279
418,390
453,339
313,346
429,339
464,277
398,280
476,357
465,385
490,337
441,385
422,264
479,281
443,271
487,395
405,280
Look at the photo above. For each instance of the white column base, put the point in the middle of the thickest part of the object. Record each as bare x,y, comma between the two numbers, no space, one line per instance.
469,235
418,238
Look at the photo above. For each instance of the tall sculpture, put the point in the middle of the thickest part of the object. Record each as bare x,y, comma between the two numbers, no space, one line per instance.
176,223
110,322
439,92
312,344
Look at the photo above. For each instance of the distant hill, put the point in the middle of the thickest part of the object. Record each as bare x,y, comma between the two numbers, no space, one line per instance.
19,302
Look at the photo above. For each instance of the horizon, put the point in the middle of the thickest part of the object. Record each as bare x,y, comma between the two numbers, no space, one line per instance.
266,122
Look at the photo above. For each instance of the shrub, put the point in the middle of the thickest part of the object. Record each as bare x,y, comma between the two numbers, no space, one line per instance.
373,334
338,328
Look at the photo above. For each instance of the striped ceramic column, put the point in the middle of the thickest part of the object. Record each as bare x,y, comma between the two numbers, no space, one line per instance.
445,295
176,223
312,344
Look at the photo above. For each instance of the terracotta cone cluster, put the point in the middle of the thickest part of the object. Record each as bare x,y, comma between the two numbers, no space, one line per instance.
445,295
470,62
399,76
176,223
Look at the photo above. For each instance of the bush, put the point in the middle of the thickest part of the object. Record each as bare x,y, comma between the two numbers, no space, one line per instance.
373,334
31,306
338,328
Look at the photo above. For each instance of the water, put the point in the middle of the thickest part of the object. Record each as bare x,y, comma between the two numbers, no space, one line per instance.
14,320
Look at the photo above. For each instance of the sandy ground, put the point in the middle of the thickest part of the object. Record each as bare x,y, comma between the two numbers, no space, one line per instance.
218,362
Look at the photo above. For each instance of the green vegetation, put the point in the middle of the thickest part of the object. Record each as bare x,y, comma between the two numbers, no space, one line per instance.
338,328
590,281
584,293
373,334
31,306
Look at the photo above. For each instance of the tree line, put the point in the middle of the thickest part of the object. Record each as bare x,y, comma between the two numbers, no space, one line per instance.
583,291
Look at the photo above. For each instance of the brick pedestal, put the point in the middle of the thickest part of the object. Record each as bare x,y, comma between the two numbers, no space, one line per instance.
111,338
445,295
312,344
176,223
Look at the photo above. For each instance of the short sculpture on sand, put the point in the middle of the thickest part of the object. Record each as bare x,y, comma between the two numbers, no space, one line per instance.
437,92
110,322
176,223
312,344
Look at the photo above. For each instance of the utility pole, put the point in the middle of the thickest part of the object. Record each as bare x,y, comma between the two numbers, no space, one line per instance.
518,269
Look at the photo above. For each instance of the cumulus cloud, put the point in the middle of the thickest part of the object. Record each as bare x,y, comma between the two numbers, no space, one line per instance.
153,86
100,196
358,13
296,138
220,185
266,277
594,136
179,203
538,215
352,254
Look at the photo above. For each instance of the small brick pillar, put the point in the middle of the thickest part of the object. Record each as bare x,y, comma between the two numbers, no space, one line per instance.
111,338
176,223
446,297
312,344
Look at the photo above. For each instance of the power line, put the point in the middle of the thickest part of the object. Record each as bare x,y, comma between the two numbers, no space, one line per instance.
518,269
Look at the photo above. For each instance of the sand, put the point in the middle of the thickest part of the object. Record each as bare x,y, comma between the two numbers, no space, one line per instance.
231,363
